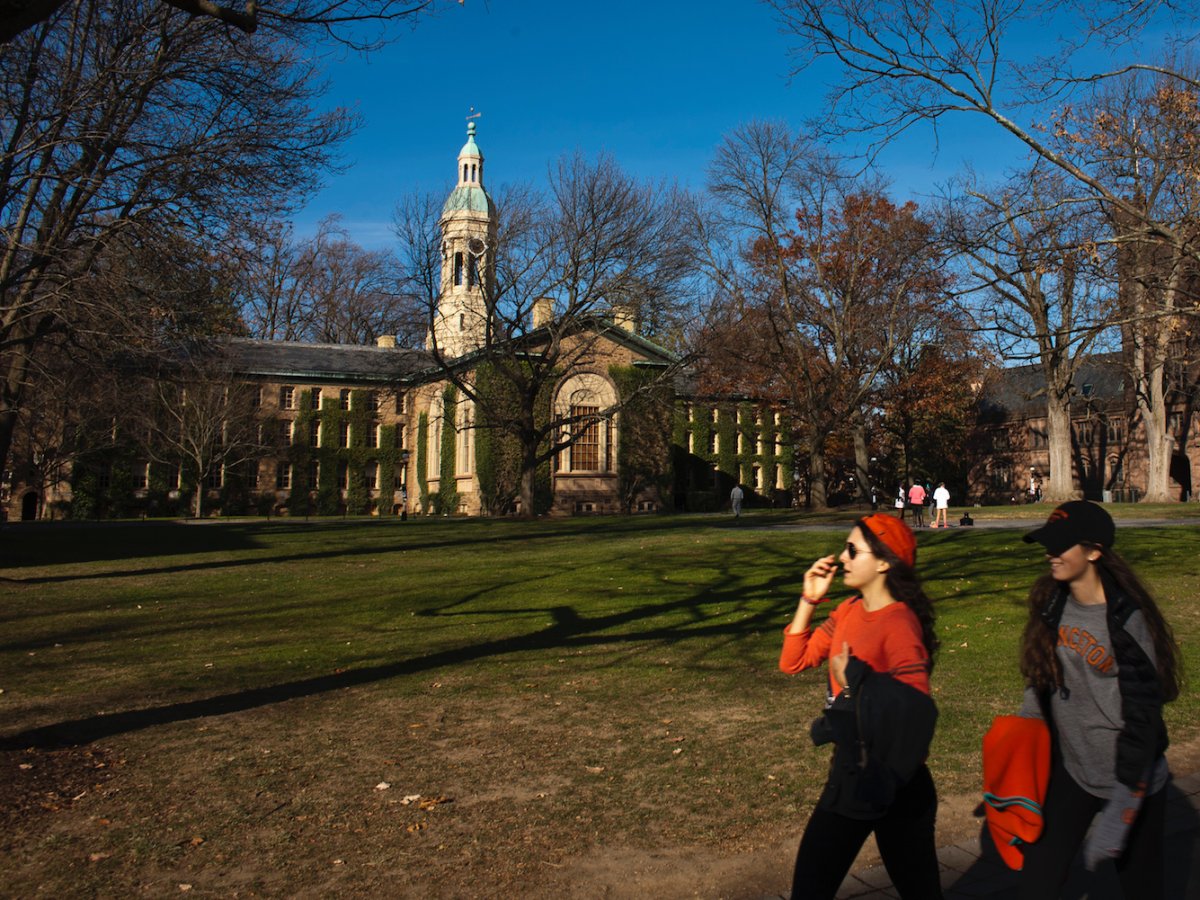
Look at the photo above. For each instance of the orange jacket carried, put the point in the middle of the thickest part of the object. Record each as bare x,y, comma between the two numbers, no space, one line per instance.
1016,770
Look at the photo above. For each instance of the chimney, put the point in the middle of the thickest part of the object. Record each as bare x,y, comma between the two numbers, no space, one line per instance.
623,317
387,341
543,311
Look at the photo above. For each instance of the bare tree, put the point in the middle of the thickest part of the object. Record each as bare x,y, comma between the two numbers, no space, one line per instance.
326,289
194,414
323,17
125,121
1041,288
923,60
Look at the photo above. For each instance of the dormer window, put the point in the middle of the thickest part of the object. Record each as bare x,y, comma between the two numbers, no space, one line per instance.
1087,389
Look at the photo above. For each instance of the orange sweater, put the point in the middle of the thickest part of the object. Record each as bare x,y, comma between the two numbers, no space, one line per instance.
888,640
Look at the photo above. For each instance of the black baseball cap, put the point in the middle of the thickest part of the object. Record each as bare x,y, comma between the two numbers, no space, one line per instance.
1075,522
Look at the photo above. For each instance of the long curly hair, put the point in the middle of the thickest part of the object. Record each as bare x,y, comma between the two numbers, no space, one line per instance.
903,584
1039,662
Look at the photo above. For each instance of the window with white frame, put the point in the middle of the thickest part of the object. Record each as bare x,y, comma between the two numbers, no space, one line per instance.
314,398
287,397
581,402
373,435
286,429
344,398
343,434
314,433
283,476
314,474
216,477
371,475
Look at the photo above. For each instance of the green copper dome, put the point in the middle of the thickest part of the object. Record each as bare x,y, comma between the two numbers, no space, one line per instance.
470,148
469,198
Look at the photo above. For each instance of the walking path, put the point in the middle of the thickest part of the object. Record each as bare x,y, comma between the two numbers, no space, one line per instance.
972,868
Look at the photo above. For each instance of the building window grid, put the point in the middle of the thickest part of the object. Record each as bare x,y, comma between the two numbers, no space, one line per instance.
343,434
585,447
344,399
287,397
314,399
314,433
283,476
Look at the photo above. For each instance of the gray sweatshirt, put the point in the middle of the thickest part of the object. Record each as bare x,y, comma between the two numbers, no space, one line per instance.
1087,711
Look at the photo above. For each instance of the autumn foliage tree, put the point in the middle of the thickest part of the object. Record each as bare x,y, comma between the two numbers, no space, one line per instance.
835,291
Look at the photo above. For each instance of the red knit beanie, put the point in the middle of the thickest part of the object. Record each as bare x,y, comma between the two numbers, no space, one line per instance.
897,536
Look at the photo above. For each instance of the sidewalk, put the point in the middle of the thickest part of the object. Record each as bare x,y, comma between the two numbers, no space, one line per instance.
972,869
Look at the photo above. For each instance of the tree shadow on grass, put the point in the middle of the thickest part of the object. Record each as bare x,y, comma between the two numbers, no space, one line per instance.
175,540
568,630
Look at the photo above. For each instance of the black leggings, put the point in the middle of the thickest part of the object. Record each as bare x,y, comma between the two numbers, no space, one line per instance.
904,836
1068,811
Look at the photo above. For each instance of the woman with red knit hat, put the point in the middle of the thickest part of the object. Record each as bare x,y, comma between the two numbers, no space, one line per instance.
878,713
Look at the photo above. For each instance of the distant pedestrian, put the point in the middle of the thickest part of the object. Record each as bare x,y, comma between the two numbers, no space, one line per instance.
735,500
916,500
941,501
901,501
403,503
874,498
1099,662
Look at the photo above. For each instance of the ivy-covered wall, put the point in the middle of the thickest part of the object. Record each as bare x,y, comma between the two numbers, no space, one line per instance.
325,497
704,476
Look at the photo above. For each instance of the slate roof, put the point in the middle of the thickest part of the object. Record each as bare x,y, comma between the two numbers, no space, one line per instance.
1019,392
326,362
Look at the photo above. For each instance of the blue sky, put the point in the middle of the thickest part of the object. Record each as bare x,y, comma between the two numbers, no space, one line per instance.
655,84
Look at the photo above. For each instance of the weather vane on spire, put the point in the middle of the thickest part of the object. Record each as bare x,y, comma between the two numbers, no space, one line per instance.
474,115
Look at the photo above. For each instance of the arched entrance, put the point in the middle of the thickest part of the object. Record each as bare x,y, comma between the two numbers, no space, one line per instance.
29,506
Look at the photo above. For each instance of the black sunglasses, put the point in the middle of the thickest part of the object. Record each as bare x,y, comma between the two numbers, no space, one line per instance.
852,550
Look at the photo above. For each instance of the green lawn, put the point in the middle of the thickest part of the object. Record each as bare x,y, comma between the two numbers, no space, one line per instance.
571,685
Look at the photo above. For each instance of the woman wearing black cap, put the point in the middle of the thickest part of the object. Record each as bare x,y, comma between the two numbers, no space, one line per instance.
1100,662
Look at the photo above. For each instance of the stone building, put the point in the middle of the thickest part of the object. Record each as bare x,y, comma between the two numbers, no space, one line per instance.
1107,440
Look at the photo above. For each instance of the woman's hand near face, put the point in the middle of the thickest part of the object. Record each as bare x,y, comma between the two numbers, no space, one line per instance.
817,580
819,577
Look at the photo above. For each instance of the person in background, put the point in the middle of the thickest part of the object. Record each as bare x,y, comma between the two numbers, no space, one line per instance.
1099,661
735,500
879,645
941,502
916,501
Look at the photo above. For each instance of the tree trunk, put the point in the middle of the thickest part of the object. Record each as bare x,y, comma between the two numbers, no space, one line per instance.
816,473
1152,412
1060,485
862,457
529,463
200,498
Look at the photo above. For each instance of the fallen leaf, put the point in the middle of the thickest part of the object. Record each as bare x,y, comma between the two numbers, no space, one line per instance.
677,751
97,857
196,840
382,786
415,827
26,766
185,887
595,770
431,802
339,862
410,798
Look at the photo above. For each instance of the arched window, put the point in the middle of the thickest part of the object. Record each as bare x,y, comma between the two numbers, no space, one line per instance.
458,268
582,402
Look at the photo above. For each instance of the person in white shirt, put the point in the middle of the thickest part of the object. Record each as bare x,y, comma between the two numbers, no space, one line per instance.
941,500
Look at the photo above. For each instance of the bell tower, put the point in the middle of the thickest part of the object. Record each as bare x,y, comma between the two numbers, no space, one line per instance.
468,226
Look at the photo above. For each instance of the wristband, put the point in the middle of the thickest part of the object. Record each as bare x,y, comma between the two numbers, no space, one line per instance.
814,602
